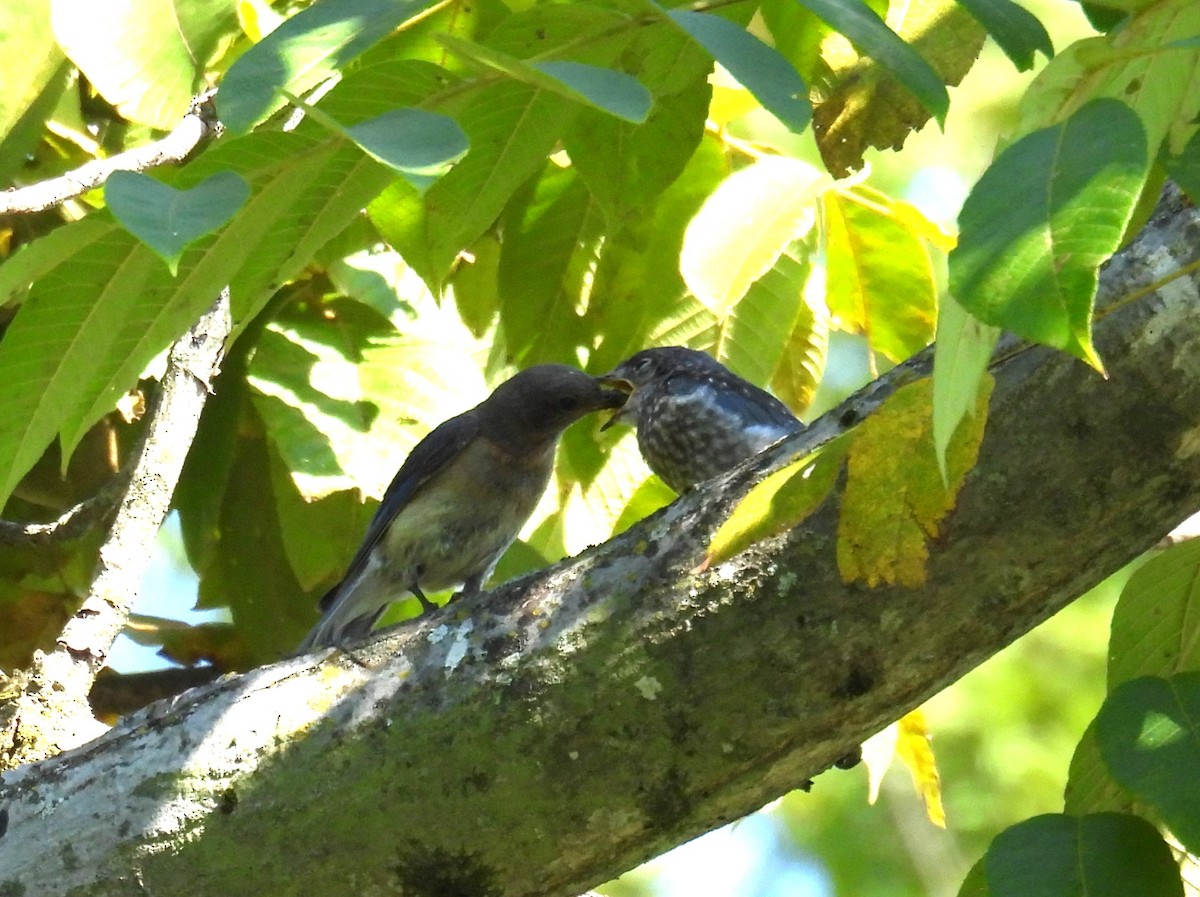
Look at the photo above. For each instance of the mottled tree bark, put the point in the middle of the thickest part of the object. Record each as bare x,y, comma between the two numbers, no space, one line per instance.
559,730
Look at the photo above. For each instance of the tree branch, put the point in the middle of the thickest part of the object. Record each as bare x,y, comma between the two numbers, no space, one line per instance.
53,714
196,126
555,732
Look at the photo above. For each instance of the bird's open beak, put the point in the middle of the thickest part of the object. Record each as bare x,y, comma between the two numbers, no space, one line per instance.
625,389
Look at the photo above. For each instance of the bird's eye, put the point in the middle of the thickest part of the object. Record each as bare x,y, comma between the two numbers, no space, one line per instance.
642,365
568,403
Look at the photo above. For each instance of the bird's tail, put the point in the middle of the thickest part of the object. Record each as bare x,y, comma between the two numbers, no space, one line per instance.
342,622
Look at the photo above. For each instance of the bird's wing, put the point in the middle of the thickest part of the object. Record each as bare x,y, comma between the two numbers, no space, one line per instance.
742,400
427,458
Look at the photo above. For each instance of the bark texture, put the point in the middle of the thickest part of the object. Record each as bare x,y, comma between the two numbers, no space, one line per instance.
565,727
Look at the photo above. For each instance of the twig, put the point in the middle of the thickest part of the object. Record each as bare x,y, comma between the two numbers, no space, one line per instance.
198,124
53,714
72,523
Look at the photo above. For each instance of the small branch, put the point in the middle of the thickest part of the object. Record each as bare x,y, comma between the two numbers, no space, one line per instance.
54,714
196,126
71,524
118,694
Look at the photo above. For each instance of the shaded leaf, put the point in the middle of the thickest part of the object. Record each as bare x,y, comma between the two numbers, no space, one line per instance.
638,291
605,89
168,220
1100,855
1149,735
755,65
867,106
745,225
549,233
975,884
895,498
863,27
627,167
512,128
421,145
1032,267
1184,169
1019,32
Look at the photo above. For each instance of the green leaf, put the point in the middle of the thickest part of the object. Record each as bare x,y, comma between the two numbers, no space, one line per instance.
960,360
1100,855
779,502
1149,735
759,328
626,167
605,89
649,497
95,319
247,568
1019,32
1156,623
759,68
303,51
148,58
1090,786
975,884
512,128
420,145
638,288
549,234
610,91
33,73
168,220
1031,267
1184,168
879,279
863,27
1132,65
745,226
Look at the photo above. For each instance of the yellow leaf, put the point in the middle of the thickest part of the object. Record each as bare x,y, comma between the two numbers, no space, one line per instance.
905,214
802,364
779,502
914,750
895,499
257,18
730,100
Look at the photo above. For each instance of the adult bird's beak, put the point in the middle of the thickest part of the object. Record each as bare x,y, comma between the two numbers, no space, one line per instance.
625,389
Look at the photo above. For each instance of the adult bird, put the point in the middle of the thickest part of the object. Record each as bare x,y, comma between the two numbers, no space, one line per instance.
460,498
695,418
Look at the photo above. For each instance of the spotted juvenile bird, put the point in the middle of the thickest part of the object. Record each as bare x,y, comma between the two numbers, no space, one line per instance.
695,418
460,498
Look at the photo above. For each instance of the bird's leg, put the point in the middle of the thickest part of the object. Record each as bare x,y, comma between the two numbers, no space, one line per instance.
473,585
427,606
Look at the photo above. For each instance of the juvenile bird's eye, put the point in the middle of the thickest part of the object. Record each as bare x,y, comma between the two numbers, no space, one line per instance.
643,365
568,403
